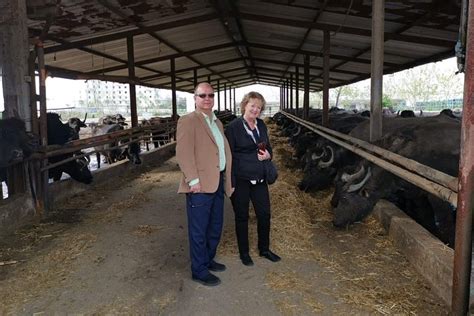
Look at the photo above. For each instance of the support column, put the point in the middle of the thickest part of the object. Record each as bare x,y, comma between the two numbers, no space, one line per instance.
230,99
173,89
463,245
225,96
306,88
291,92
14,52
218,96
297,89
195,80
376,78
235,104
326,52
131,75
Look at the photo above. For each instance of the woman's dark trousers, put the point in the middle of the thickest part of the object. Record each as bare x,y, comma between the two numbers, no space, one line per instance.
258,194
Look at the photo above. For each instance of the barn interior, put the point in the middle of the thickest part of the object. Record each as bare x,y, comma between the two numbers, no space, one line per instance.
299,46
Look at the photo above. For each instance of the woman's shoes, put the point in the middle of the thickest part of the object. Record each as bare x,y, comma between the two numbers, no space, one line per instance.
270,256
246,260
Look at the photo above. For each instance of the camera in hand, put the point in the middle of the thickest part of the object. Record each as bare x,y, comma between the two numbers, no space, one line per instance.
261,147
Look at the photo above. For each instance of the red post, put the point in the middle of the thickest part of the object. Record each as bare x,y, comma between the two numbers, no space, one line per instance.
463,246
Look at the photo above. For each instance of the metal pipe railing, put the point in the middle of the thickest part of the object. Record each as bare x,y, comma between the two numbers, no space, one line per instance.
429,179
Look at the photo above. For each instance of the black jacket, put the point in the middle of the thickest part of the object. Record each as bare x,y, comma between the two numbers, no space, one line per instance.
245,164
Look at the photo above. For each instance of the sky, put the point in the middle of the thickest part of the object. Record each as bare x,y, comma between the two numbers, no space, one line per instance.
63,92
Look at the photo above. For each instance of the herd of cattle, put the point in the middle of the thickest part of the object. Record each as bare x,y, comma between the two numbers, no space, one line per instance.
16,143
433,141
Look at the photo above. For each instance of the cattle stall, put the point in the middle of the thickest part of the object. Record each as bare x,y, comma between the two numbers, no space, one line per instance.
431,180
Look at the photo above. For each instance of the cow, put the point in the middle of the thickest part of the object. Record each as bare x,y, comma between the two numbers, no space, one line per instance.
159,138
16,144
451,114
75,123
112,119
132,151
59,134
433,142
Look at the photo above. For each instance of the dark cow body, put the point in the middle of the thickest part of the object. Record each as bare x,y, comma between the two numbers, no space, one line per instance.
161,138
132,151
16,144
112,119
59,134
434,143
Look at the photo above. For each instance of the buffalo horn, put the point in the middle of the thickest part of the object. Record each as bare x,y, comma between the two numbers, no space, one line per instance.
325,164
298,131
315,156
349,178
85,118
356,187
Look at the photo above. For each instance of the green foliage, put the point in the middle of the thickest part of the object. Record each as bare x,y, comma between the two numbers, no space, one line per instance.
387,101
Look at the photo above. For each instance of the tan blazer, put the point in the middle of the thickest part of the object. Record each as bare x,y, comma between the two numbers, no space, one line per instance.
198,155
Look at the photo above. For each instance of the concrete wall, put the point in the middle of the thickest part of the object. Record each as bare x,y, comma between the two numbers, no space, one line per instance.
19,210
428,255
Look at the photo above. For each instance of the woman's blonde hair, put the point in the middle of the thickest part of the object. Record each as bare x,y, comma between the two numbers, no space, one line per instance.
251,95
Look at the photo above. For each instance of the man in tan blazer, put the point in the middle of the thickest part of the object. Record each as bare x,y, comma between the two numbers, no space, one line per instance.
205,159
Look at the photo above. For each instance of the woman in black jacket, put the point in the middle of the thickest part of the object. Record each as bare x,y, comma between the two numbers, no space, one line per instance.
250,146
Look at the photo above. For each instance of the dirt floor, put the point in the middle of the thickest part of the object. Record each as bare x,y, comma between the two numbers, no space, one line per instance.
122,249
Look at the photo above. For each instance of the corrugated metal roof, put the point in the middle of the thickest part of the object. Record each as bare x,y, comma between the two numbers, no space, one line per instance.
240,42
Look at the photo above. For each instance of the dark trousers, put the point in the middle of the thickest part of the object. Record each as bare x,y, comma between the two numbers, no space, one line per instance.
205,220
258,194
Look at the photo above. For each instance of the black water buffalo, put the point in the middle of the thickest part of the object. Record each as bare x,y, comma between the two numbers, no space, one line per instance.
59,134
433,142
159,138
132,151
16,144
112,119
323,158
75,123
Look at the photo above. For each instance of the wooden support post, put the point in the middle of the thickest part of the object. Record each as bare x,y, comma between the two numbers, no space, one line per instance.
173,89
132,88
14,52
225,96
195,80
376,79
209,79
306,88
235,104
230,98
297,89
218,96
42,191
291,91
326,52
33,100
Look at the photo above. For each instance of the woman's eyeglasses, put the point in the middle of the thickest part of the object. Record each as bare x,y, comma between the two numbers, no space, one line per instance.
203,95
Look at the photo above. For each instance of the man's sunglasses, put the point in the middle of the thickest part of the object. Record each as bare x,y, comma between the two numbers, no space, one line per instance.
203,95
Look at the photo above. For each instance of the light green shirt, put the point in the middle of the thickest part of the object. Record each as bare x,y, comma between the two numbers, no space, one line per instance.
219,138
